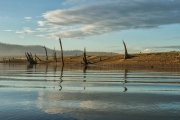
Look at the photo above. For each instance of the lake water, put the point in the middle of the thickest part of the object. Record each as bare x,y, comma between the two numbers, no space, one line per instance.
50,92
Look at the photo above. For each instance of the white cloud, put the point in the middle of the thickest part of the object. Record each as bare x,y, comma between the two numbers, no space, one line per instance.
104,18
51,29
7,30
28,18
26,30
146,51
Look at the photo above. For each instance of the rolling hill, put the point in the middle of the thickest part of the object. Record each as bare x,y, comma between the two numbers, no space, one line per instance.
19,50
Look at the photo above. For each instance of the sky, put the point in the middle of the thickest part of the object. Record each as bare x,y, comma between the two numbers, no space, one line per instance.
99,25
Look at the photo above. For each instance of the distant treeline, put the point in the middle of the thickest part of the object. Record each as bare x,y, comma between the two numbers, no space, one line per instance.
19,50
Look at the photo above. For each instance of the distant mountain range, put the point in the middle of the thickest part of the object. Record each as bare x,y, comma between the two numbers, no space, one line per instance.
19,50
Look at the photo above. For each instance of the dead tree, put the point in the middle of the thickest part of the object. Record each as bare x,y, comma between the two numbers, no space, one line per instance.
27,56
54,55
84,57
30,58
37,57
126,55
62,59
46,52
31,55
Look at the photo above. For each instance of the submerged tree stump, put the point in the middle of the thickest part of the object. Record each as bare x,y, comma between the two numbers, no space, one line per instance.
30,58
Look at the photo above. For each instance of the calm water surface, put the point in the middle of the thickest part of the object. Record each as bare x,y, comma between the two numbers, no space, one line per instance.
51,92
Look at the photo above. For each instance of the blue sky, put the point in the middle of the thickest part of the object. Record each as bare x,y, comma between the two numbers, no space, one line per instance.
98,25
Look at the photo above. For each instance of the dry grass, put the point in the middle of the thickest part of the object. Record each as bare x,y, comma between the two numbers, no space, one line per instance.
152,60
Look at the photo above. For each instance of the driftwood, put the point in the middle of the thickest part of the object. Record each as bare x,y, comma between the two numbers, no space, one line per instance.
30,58
62,59
84,57
46,52
126,55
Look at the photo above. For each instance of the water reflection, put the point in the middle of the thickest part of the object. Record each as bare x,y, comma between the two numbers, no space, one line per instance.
125,81
55,69
62,68
125,89
30,69
84,70
88,93
125,73
29,66
46,70
61,76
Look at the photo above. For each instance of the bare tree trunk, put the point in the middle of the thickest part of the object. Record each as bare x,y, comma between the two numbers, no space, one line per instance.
126,55
46,52
54,55
84,57
62,59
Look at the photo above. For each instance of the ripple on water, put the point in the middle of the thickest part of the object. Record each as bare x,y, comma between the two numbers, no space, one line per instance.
39,93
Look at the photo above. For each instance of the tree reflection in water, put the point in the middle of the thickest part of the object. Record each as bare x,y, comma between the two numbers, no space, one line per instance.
84,71
125,81
61,76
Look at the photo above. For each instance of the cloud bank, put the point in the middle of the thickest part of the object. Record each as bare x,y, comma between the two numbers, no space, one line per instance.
103,18
167,47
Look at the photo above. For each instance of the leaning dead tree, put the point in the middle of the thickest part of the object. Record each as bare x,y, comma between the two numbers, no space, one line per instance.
84,57
62,59
30,58
54,55
37,57
126,55
46,52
